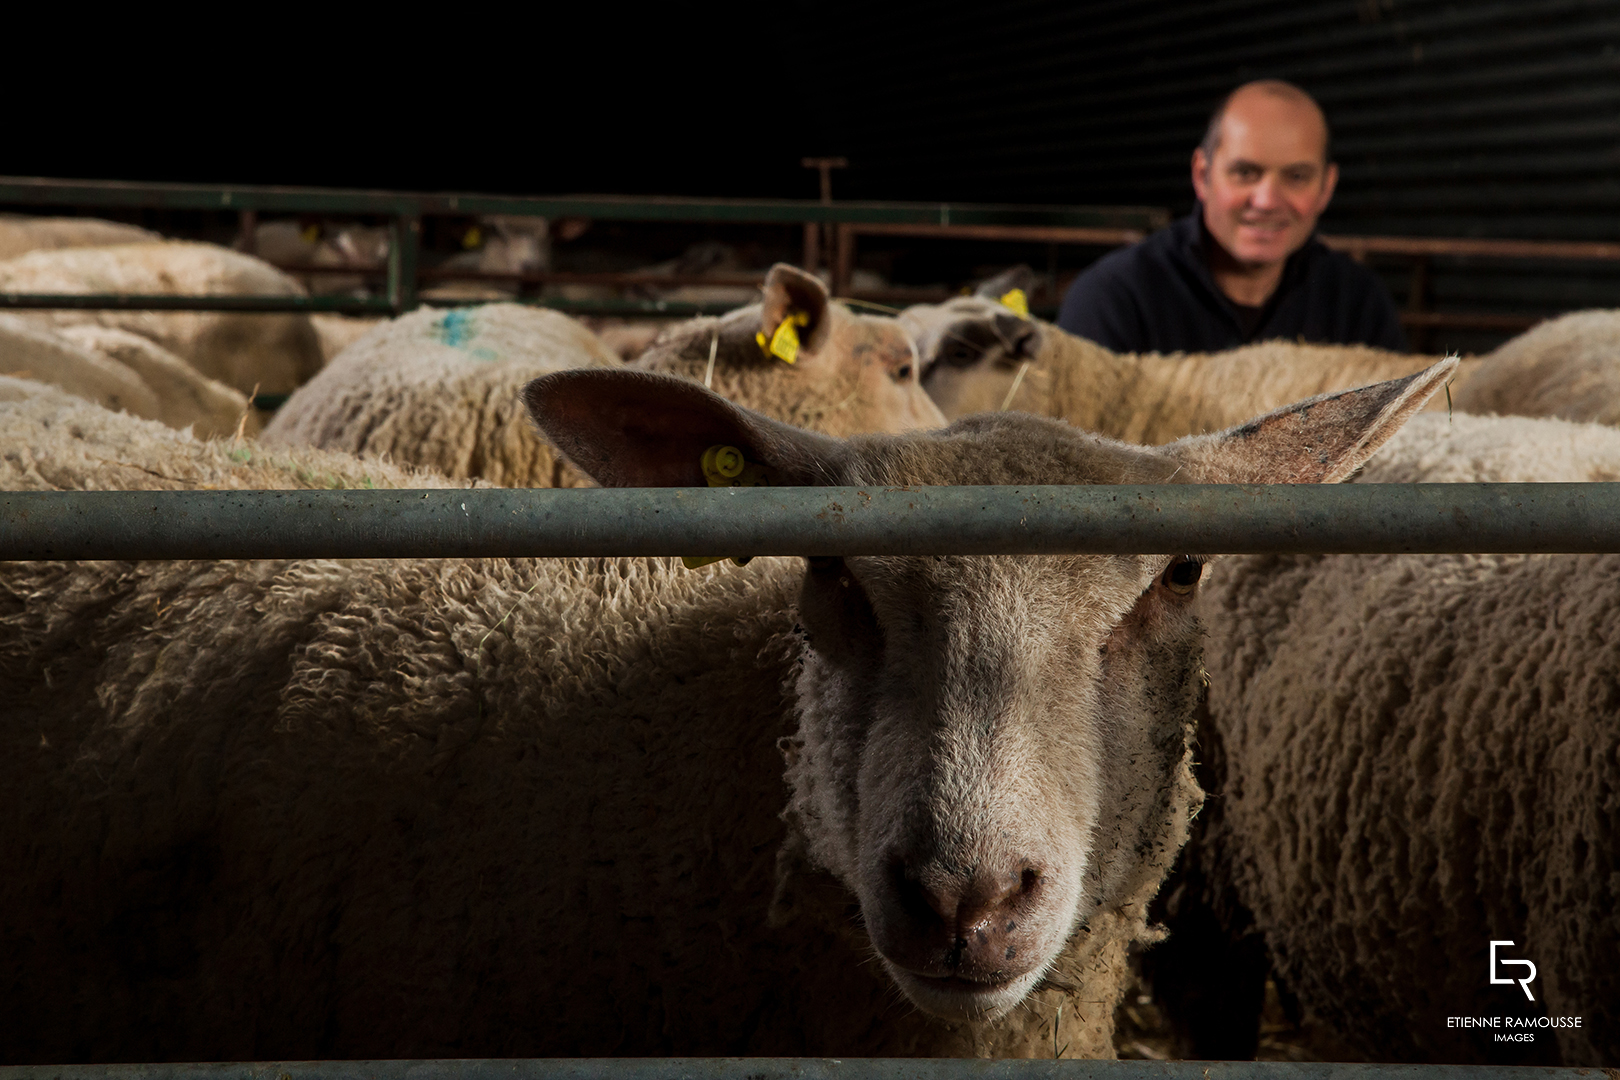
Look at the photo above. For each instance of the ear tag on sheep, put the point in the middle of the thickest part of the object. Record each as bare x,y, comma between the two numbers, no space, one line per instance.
1016,302
725,466
784,342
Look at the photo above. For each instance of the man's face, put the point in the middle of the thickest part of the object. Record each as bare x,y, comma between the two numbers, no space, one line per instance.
1266,184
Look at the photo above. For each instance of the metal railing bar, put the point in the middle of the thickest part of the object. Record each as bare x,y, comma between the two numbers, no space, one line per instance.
345,305
46,191
783,1069
504,522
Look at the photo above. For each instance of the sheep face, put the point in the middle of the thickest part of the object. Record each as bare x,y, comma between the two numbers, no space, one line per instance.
974,352
850,374
990,749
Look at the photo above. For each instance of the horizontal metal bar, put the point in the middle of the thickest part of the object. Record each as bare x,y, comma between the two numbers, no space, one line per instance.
1471,320
349,305
1048,234
141,302
783,1069
45,191
1500,249
500,522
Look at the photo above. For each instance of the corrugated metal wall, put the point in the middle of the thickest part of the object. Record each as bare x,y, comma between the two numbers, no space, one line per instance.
1498,118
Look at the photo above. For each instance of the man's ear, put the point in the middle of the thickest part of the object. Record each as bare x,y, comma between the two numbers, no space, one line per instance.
644,429
1330,181
790,291
1017,277
1200,175
1320,440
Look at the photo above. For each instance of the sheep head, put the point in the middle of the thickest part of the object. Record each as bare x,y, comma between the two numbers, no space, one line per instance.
850,373
972,349
991,750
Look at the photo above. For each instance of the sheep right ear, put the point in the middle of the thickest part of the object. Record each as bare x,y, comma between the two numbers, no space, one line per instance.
1017,277
1320,440
645,429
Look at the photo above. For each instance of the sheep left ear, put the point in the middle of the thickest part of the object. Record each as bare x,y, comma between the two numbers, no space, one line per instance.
1017,277
1320,440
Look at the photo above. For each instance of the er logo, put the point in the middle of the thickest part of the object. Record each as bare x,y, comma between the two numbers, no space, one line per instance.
1524,983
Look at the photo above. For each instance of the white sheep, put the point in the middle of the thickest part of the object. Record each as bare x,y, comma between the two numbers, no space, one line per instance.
979,356
278,810
1568,367
123,371
270,353
851,373
440,388
22,233
1416,755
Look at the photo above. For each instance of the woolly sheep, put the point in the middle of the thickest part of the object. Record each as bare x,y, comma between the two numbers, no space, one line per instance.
275,810
1568,367
1416,755
123,371
22,233
441,389
853,373
269,354
186,398
978,356
28,351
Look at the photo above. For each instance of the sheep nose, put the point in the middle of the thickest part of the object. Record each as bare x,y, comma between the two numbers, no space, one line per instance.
969,925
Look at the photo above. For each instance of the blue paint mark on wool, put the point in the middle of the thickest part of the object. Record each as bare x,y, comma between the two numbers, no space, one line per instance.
455,328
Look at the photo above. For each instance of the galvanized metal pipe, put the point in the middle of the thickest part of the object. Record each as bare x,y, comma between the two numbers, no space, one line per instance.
500,522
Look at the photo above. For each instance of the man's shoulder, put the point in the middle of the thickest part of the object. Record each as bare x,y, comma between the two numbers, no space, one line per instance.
1147,259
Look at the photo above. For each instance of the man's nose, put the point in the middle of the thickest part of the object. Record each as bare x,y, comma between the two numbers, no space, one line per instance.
1265,195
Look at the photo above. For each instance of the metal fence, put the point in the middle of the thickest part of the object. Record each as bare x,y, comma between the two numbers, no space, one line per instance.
502,522
784,1069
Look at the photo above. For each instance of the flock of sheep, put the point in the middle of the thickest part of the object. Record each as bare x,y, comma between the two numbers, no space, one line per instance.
838,807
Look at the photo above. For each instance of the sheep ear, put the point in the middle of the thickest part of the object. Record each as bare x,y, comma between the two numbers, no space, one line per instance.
1320,440
791,292
644,429
1017,277
1020,337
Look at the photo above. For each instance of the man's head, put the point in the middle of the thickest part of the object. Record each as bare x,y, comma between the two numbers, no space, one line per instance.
1262,171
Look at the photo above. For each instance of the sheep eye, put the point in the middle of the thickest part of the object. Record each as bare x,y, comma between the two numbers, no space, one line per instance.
1181,577
904,372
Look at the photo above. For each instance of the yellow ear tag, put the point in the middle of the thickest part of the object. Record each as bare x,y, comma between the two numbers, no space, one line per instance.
472,238
725,466
1016,302
311,234
784,341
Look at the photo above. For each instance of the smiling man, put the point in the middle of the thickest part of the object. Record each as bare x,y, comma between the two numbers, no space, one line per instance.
1245,264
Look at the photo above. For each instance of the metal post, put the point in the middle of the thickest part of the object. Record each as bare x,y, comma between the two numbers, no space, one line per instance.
404,241
812,240
247,227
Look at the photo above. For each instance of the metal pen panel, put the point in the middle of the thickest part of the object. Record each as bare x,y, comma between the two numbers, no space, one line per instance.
1048,520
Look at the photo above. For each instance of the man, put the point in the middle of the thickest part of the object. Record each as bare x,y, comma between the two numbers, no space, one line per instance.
1245,264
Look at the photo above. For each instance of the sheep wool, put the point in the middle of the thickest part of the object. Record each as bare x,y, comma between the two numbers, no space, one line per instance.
1421,755
186,397
22,233
1568,367
441,389
253,353
28,351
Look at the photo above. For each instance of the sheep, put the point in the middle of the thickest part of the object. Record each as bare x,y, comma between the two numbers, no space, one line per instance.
269,354
852,373
51,440
979,356
1412,756
441,389
124,371
186,398
28,351
1568,367
282,810
22,233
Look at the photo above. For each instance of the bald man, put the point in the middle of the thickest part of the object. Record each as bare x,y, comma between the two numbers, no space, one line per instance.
1245,265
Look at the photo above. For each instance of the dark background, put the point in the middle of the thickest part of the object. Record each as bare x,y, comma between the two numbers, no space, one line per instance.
1495,118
